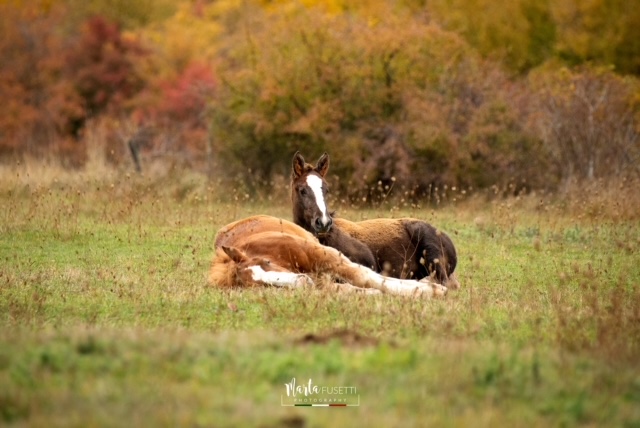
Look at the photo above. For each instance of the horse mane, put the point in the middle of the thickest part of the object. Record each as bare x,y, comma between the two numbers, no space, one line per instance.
224,272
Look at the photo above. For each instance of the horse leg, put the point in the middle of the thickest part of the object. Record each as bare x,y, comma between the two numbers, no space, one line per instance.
400,286
279,279
334,262
355,250
342,287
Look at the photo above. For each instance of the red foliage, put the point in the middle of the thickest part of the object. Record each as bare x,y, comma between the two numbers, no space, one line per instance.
26,72
184,98
52,83
101,67
176,110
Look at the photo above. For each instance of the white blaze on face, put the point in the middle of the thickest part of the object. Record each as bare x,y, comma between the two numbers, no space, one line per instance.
315,183
280,279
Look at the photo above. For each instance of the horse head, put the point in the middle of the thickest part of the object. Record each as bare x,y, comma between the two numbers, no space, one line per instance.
308,191
262,270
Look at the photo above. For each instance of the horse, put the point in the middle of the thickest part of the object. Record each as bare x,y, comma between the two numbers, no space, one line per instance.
405,248
265,250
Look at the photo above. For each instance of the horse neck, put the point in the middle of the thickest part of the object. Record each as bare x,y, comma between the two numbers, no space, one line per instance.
355,250
334,238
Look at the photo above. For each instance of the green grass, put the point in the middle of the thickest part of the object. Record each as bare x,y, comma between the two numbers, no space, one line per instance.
106,318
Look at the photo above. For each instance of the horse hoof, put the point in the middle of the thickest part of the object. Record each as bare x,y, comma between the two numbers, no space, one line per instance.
304,281
435,288
439,290
452,282
429,290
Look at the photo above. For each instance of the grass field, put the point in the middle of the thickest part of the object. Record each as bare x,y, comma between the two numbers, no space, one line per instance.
106,318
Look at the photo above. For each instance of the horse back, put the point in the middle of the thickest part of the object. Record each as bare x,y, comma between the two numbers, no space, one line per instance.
280,241
388,241
236,233
405,247
376,233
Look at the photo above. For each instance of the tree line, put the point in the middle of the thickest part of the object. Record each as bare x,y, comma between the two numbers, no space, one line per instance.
456,92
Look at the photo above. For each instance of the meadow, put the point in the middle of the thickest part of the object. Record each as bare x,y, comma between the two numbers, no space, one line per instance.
106,318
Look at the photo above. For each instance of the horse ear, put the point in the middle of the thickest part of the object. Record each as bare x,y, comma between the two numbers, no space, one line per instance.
235,254
323,164
298,165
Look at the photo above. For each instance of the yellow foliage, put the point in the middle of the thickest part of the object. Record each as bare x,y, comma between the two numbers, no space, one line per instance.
332,7
502,30
591,28
188,35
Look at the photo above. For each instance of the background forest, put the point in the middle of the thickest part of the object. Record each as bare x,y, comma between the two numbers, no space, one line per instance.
468,93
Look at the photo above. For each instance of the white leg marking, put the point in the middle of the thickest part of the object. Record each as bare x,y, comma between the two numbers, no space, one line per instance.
315,183
279,279
403,286
348,288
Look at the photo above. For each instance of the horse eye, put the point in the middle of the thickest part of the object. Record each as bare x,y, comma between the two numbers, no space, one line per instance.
303,191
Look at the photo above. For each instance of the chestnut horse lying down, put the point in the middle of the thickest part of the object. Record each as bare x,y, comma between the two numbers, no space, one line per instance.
264,250
402,248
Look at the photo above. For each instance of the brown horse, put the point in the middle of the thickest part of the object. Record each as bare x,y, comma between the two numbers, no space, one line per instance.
401,248
264,250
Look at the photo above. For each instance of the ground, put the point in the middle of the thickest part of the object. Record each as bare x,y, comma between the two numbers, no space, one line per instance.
106,318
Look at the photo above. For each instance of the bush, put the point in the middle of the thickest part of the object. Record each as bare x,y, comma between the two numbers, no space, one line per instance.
588,121
55,83
393,99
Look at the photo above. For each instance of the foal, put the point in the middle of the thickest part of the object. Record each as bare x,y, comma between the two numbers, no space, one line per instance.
402,248
264,250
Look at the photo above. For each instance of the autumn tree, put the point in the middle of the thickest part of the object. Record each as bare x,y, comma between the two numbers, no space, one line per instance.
464,92
55,82
588,121
101,67
179,73
600,32
523,34
173,115
387,97
520,33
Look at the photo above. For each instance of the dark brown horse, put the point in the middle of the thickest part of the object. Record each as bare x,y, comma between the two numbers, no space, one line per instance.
264,250
401,248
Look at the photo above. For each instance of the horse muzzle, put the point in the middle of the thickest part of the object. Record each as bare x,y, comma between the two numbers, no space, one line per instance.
321,227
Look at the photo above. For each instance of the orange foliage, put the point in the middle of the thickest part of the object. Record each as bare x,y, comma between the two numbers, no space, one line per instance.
28,69
176,108
54,83
101,67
